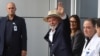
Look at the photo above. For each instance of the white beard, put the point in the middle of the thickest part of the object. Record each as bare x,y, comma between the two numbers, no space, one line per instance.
53,27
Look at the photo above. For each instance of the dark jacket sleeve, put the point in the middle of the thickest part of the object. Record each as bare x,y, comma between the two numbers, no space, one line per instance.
66,31
24,35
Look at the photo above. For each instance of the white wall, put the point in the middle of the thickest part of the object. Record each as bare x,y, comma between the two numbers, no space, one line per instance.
27,7
34,10
37,28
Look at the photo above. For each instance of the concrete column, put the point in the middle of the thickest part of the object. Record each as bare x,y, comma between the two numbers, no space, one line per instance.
53,4
73,7
98,8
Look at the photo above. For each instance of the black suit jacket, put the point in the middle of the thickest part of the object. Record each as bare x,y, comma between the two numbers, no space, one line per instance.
77,43
61,45
19,37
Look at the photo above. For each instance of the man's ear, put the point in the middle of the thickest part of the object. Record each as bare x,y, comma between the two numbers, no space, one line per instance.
15,9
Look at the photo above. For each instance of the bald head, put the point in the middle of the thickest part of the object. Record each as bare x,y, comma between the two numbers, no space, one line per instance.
11,8
11,4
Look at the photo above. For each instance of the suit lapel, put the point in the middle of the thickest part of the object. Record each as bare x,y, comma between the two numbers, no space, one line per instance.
55,36
47,36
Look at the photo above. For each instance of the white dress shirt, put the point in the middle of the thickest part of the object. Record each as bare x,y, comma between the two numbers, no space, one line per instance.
51,33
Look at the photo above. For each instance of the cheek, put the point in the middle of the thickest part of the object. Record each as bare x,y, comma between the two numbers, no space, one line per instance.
90,32
72,25
55,22
86,31
9,11
13,10
49,23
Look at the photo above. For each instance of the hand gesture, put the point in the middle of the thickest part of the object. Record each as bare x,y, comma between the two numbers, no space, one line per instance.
60,9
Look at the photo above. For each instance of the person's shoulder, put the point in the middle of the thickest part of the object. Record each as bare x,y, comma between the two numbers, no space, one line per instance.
80,33
2,18
20,18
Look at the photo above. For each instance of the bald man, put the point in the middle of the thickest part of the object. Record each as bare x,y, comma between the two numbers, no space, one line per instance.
13,35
